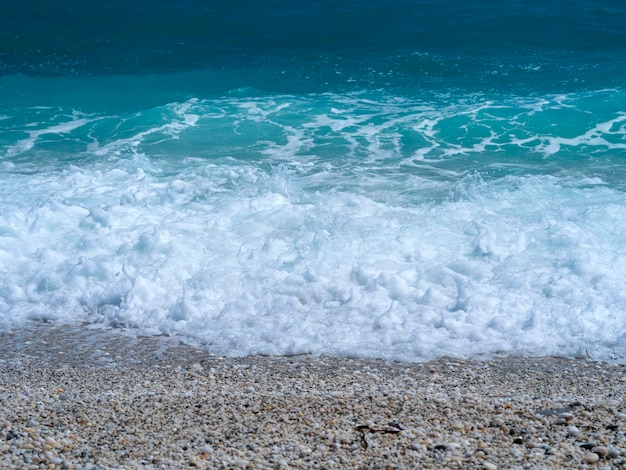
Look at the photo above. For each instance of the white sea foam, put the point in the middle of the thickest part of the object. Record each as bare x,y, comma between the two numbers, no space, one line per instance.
29,142
252,226
529,265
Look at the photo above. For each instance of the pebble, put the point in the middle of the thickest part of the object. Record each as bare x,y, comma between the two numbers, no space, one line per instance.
591,458
566,416
304,451
50,441
165,406
563,418
602,451
573,430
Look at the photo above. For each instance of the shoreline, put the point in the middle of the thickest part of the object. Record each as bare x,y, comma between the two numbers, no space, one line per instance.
80,398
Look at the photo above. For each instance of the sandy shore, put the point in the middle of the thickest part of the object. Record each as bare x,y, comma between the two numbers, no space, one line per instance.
89,399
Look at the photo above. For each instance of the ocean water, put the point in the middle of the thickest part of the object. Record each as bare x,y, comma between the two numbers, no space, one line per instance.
391,179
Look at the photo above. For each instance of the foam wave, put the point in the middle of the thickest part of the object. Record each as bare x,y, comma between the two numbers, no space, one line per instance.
62,128
250,262
341,224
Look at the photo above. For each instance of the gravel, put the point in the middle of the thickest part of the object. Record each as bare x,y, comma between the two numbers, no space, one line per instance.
79,398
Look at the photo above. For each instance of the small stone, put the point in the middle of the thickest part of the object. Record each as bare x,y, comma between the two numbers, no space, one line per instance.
343,437
566,416
602,451
65,442
591,458
304,451
51,442
489,466
573,431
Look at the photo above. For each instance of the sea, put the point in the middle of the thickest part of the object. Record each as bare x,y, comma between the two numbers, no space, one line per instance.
393,179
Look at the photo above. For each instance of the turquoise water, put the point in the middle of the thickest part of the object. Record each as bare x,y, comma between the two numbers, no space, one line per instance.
386,179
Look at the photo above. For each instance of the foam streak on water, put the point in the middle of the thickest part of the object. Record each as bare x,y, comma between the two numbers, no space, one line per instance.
377,225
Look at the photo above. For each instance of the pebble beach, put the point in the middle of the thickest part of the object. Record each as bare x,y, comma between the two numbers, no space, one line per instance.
74,398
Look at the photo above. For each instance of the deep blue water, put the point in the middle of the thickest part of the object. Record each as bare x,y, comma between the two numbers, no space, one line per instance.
400,179
285,46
